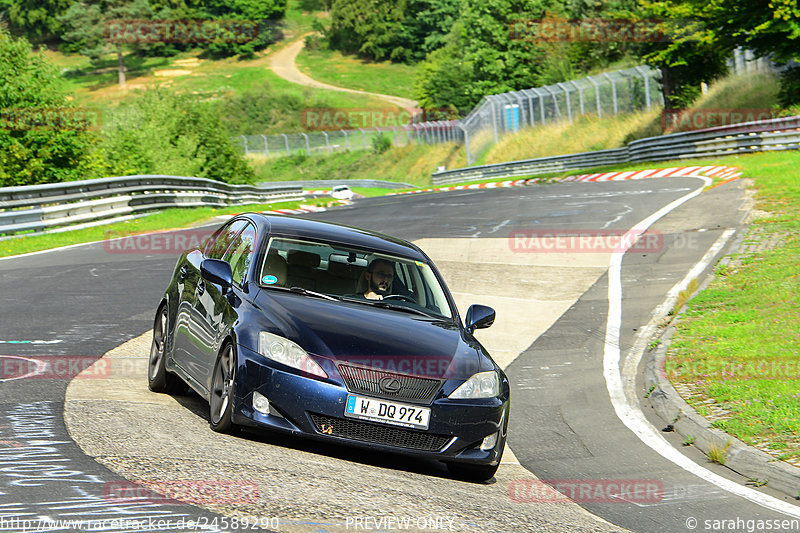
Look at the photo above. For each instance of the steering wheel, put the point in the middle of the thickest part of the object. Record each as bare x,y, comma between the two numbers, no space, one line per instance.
400,297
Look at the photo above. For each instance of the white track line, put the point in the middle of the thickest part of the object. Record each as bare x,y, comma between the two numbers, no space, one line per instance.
632,416
41,366
635,354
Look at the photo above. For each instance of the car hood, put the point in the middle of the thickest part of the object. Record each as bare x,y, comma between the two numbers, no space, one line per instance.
373,337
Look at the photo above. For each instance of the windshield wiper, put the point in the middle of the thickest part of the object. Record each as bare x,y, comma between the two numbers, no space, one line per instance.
301,290
390,305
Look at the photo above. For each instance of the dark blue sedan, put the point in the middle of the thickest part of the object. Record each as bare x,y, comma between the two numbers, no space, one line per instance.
334,333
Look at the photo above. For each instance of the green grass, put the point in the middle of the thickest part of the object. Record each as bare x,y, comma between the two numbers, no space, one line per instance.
212,81
335,68
749,315
162,220
301,13
411,164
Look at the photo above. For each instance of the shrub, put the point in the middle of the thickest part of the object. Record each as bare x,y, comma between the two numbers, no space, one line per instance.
42,138
381,143
159,132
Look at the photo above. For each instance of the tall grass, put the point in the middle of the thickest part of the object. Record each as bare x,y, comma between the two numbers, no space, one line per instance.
410,164
584,134
753,91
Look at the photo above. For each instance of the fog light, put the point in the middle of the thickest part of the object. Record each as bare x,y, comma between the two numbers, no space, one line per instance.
489,442
260,403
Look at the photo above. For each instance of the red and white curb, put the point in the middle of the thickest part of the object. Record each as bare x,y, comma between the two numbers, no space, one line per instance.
491,185
725,173
711,172
299,211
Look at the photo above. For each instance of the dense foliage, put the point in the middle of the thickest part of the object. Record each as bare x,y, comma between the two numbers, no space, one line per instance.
159,132
405,30
469,48
42,138
705,33
81,25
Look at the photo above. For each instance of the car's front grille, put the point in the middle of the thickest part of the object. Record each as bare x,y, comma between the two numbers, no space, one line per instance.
409,388
367,432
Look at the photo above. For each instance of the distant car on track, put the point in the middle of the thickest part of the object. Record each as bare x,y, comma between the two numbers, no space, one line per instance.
268,320
342,192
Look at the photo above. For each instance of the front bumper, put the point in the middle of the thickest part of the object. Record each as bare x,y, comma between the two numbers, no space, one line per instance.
315,408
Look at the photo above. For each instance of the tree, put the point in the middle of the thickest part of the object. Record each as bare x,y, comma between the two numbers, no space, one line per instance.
769,28
484,49
158,132
42,138
87,22
403,31
371,28
690,51
263,13
37,20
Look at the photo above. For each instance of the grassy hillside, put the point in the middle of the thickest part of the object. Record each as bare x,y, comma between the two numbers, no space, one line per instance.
585,134
410,164
335,68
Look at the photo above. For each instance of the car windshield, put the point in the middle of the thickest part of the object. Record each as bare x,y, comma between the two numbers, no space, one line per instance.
338,271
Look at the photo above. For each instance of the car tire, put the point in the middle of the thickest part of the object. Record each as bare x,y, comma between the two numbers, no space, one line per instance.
158,378
220,401
472,472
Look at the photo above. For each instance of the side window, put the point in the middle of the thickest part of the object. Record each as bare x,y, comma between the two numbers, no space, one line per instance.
240,253
219,242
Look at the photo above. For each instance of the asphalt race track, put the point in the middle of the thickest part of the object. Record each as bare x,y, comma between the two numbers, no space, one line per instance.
80,303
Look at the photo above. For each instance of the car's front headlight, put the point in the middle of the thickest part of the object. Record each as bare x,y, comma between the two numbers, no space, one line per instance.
480,385
288,353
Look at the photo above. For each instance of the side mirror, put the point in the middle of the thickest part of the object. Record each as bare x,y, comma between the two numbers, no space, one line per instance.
479,317
217,271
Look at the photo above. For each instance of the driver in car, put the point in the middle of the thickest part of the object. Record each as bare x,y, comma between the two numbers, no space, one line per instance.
379,276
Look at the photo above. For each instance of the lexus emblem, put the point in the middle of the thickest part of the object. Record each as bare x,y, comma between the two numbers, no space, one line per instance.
390,385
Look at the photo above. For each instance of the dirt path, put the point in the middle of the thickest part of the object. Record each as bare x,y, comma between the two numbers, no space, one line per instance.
283,64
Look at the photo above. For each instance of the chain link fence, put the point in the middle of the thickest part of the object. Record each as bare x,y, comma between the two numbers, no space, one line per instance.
607,94
326,142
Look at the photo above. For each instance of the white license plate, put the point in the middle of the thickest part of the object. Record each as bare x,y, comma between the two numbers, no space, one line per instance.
397,414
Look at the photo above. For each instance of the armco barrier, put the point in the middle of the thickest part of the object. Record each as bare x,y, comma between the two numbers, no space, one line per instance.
91,202
760,136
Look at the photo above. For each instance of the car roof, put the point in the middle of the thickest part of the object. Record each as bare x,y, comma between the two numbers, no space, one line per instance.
289,226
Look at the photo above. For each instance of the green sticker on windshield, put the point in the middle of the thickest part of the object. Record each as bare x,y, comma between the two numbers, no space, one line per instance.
269,280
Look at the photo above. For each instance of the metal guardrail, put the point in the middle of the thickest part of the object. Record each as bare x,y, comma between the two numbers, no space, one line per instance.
759,136
322,184
91,202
